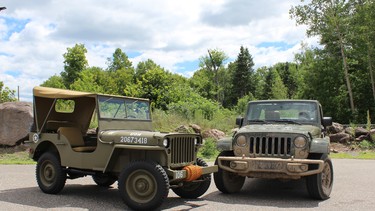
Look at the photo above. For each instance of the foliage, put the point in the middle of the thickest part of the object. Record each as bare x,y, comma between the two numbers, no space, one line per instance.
6,94
208,149
369,155
74,62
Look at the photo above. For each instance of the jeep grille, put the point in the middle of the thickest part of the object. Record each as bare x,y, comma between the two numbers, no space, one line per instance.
182,149
270,146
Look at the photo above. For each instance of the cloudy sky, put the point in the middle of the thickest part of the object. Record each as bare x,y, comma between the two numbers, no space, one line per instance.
35,34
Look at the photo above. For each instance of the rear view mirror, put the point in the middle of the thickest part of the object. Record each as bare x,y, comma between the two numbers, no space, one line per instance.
239,121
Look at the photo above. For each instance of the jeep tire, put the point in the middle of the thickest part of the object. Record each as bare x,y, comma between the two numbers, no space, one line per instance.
225,181
50,176
104,180
319,185
143,185
192,190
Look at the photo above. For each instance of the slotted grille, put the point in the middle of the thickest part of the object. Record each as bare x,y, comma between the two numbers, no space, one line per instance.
270,146
182,149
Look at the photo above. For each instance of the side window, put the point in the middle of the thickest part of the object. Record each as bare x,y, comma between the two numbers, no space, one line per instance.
64,106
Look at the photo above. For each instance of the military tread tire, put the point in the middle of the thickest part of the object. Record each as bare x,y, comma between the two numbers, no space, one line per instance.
50,176
143,185
193,190
104,180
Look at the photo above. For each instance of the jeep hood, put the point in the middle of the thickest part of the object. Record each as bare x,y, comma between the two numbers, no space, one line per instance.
281,128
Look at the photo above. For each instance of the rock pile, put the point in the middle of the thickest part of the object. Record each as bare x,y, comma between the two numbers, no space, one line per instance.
345,135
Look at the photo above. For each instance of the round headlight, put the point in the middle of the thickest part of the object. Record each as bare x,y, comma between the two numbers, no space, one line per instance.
300,142
165,142
241,141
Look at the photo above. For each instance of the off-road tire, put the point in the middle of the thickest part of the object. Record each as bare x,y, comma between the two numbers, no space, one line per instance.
104,180
50,176
320,185
143,185
225,181
193,190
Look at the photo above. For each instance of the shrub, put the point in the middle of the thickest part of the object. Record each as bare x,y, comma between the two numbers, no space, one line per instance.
208,150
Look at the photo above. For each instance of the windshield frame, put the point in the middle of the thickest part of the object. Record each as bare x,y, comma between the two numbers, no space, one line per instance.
123,109
283,112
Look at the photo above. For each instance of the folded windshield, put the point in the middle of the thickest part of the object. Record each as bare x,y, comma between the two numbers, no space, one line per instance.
122,108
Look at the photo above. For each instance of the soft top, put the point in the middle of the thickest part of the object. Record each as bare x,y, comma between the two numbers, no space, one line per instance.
47,92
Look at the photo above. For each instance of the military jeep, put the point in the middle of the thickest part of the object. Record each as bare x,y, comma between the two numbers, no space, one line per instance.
278,139
123,148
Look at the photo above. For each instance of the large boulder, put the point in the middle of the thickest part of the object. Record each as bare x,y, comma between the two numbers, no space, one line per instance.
336,128
213,133
360,131
343,138
16,119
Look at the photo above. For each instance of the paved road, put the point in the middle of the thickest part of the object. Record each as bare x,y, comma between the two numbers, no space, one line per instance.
354,189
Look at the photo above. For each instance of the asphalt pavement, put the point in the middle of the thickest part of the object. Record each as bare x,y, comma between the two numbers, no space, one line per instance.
353,189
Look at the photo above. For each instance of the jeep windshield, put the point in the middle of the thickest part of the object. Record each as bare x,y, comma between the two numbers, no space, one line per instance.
123,108
282,112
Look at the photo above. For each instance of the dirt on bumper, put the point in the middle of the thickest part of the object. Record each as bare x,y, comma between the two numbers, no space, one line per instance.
247,166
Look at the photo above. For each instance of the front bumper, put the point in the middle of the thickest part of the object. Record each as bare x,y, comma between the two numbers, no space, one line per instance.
247,166
183,174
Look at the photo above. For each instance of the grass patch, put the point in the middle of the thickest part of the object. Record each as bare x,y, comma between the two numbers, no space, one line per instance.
366,155
16,158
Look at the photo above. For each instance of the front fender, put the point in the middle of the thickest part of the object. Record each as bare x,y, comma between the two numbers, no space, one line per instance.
320,145
224,144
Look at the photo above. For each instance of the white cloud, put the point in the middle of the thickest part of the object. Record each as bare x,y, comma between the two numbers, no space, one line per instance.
167,31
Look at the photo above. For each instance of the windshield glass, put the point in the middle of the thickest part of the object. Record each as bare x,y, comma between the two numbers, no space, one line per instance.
283,112
121,108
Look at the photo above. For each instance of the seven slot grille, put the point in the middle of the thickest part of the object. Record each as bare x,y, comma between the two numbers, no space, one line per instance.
182,149
270,146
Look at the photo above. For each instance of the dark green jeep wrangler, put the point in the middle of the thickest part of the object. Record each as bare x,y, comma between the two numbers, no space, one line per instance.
123,148
278,139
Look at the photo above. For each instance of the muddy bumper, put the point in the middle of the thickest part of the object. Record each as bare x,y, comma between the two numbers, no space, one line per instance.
290,167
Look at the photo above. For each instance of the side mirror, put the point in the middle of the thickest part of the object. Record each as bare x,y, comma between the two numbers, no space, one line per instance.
327,121
239,121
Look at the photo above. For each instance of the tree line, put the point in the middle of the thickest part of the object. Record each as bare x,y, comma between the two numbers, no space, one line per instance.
339,73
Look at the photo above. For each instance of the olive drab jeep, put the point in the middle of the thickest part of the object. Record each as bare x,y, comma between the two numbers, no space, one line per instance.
278,139
123,148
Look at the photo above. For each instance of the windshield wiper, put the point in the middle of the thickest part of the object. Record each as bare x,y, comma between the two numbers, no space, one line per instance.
257,121
288,121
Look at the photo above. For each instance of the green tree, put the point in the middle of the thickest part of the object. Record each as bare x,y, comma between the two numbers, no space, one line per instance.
119,61
155,84
145,66
54,81
289,75
6,94
330,19
213,62
273,86
243,81
121,72
74,62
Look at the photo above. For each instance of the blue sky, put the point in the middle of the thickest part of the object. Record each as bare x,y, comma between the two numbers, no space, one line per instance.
174,34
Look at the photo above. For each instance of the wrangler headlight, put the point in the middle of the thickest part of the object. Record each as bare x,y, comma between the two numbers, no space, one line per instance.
300,142
241,141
